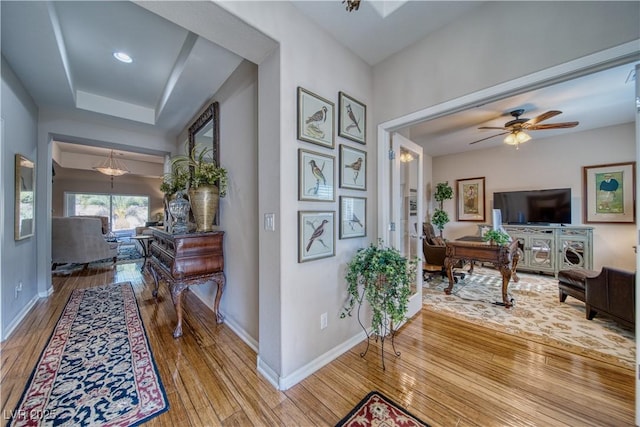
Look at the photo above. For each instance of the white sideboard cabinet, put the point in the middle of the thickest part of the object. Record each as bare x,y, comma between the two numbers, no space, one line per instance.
549,249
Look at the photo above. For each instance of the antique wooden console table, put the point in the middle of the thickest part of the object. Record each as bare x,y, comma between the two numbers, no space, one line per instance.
505,258
187,259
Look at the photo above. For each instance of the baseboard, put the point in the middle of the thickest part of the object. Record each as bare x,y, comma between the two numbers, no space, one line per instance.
284,383
19,318
240,332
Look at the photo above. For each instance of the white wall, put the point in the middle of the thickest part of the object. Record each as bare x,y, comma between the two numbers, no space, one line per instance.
310,58
19,114
238,101
498,42
554,162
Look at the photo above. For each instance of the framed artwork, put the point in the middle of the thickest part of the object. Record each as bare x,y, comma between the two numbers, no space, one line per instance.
316,235
609,192
353,215
352,119
353,168
316,174
470,204
315,119
413,202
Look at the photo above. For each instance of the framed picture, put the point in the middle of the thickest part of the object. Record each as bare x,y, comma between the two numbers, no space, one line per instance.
315,119
316,174
470,199
353,215
353,168
413,202
352,119
609,192
316,235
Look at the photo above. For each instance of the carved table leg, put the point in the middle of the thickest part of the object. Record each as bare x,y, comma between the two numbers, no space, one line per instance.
505,270
220,280
448,265
154,273
176,296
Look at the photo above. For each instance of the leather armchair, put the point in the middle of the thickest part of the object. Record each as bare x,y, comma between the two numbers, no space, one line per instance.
434,250
612,293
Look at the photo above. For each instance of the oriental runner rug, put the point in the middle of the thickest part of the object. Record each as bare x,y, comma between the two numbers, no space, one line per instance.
97,368
377,410
537,314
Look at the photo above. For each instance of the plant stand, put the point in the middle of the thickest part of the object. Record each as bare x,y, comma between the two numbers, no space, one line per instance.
388,330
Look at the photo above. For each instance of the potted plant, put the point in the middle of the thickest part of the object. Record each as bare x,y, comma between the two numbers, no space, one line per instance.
496,237
383,277
174,181
207,183
440,218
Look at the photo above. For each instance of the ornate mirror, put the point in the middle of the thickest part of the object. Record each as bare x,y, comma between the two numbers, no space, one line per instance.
25,198
206,131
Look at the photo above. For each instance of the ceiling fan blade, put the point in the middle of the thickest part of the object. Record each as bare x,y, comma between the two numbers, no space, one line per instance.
564,125
492,127
540,118
489,137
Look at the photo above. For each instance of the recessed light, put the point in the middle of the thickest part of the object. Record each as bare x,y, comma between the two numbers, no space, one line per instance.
123,57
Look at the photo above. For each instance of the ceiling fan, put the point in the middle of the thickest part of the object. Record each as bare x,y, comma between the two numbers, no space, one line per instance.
516,127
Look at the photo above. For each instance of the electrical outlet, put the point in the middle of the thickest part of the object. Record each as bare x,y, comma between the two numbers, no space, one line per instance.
323,320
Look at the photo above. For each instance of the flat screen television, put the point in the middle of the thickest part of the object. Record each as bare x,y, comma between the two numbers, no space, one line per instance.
534,207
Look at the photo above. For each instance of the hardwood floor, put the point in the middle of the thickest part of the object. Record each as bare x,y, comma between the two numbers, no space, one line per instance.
450,373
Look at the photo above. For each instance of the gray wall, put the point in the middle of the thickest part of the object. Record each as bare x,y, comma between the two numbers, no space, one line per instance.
19,116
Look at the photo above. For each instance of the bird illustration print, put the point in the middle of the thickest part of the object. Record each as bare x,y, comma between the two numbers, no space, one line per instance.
313,123
355,166
318,116
317,173
355,220
317,234
353,119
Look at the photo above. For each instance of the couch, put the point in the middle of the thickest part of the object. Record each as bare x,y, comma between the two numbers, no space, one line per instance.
612,293
79,240
104,220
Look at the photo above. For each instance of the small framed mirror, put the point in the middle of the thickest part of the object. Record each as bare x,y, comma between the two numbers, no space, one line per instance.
206,131
25,198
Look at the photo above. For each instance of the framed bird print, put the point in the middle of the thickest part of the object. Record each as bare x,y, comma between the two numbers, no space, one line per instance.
353,215
315,119
353,168
316,235
316,174
352,119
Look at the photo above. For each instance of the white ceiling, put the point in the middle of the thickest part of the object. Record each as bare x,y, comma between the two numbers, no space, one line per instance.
62,52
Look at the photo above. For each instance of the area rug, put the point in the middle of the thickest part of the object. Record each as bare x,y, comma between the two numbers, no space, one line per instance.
127,253
537,314
97,368
379,411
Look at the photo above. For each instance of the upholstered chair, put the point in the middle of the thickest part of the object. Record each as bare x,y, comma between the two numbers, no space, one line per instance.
79,240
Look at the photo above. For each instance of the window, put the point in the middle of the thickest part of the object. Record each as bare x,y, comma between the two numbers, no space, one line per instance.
125,212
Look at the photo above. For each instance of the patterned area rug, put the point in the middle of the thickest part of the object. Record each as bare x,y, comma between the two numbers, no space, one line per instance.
380,411
537,314
127,253
97,368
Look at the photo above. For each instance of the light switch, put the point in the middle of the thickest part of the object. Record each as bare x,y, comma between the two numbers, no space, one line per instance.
270,222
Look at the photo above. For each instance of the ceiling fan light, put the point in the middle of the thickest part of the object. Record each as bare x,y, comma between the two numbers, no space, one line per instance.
522,137
518,137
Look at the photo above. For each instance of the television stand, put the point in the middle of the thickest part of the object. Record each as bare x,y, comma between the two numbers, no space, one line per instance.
551,248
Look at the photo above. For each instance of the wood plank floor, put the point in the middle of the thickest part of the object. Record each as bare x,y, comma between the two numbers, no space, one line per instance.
450,373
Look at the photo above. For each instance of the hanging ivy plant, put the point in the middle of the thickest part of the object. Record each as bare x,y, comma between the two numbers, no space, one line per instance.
385,277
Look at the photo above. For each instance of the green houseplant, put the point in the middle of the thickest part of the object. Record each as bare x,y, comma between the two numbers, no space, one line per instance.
207,183
383,277
440,218
496,237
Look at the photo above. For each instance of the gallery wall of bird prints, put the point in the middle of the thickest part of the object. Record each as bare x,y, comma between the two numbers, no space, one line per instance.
317,172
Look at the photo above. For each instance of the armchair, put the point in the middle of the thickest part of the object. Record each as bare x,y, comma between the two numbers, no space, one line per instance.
612,293
79,240
434,250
